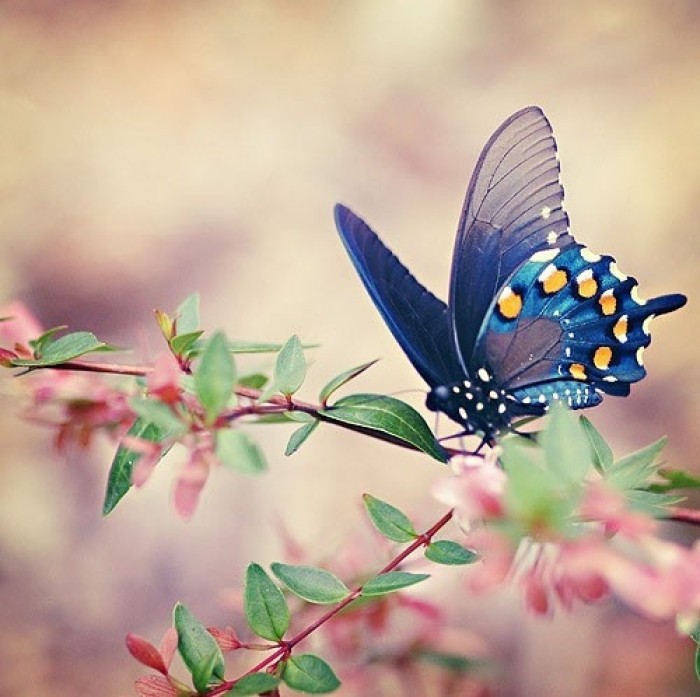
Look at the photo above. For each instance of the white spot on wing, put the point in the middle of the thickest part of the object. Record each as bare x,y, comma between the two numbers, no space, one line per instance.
589,256
501,408
646,324
483,374
552,237
545,212
616,272
463,413
610,378
640,356
634,294
544,255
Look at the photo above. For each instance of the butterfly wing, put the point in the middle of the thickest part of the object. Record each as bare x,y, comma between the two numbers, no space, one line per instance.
417,319
512,209
568,325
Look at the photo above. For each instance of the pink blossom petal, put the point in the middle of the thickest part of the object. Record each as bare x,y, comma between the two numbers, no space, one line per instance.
144,652
168,645
190,484
226,638
164,380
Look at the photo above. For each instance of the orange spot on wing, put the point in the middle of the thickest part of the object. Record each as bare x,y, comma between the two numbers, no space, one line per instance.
602,357
510,304
578,372
554,280
588,287
620,329
608,303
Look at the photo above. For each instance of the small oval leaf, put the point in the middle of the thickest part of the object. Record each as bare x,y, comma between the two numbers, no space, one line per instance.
290,367
253,684
265,607
198,649
450,553
187,315
310,674
343,378
65,349
390,521
239,451
297,439
311,584
119,478
390,582
215,376
387,415
602,453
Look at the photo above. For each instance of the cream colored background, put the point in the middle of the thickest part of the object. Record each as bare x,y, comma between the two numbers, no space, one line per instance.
149,149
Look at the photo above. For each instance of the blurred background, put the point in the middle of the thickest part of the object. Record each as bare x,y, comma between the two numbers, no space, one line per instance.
153,148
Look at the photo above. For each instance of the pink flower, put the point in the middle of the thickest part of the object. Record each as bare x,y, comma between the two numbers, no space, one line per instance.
150,455
192,480
476,489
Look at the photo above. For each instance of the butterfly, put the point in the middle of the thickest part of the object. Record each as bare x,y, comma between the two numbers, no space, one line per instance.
533,316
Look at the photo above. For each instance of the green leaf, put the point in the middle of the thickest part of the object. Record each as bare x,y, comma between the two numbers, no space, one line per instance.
188,315
259,347
652,503
697,662
633,471
297,438
566,447
43,340
198,649
534,494
390,521
341,379
675,479
290,367
215,377
390,582
65,349
159,414
387,415
119,479
450,553
265,607
602,453
310,674
183,343
253,684
239,451
311,584
255,381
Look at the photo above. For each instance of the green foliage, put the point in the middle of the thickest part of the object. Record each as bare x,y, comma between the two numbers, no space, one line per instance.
297,439
159,414
187,315
389,416
253,684
390,582
390,521
452,662
343,378
215,377
634,470
674,480
265,607
311,584
239,451
184,344
198,649
53,352
450,553
310,674
119,478
290,367
566,447
255,381
602,453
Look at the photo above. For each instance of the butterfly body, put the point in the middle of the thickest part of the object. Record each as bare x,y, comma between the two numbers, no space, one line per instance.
533,317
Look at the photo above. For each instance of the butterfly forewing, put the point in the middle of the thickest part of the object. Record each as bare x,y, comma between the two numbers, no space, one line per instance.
417,319
513,208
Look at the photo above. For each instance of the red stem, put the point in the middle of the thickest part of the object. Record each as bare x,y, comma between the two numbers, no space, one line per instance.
287,646
683,515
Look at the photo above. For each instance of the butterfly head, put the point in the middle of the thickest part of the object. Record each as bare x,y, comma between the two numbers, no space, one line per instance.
476,404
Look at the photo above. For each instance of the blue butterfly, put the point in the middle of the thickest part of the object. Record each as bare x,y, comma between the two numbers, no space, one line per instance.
532,316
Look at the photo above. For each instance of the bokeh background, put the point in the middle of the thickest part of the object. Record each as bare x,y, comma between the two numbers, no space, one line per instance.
153,148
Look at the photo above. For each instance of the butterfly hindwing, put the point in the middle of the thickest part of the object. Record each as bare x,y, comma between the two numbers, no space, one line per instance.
569,315
417,319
